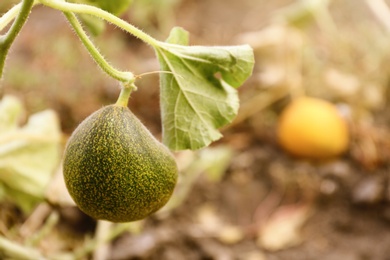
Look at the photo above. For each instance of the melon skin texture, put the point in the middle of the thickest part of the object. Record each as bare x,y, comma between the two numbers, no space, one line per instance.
114,168
312,128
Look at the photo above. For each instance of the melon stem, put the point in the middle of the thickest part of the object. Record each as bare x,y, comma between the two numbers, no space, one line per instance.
124,95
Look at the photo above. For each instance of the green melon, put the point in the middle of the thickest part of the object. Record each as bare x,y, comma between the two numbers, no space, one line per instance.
115,169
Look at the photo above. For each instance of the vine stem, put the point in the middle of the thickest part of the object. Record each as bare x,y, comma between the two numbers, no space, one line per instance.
9,16
7,39
123,76
92,10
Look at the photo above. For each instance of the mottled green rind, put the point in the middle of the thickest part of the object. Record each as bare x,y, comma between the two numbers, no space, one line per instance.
115,169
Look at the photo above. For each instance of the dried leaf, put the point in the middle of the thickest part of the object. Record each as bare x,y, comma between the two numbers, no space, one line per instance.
282,228
230,234
28,155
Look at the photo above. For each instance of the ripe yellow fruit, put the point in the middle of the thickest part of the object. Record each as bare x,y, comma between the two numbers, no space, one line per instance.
312,128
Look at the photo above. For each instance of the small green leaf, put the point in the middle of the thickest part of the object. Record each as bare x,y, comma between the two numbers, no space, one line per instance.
116,7
302,13
94,25
178,36
199,95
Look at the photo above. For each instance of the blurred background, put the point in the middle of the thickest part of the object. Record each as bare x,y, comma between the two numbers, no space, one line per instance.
244,197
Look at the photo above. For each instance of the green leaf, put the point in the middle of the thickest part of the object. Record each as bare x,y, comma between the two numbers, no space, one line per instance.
302,13
28,155
178,36
116,7
94,25
199,94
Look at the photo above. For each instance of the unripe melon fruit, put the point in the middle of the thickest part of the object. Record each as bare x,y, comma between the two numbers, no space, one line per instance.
312,128
115,169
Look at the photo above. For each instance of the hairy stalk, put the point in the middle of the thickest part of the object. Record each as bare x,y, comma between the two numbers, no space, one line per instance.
7,39
126,77
91,10
124,96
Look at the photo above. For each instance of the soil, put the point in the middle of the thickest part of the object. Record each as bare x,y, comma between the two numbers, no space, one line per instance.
335,209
